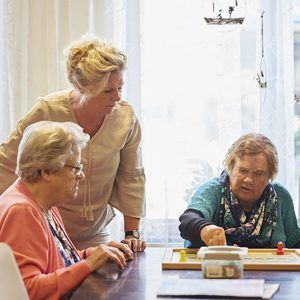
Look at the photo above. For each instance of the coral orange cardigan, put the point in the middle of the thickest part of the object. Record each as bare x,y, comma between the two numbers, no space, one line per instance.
24,228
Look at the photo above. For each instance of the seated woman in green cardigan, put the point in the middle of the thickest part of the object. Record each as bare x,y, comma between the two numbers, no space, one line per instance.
243,206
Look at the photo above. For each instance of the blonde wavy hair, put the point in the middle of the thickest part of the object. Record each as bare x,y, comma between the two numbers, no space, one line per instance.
252,143
89,63
48,145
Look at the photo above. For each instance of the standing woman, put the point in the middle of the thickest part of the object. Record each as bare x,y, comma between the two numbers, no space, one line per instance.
112,159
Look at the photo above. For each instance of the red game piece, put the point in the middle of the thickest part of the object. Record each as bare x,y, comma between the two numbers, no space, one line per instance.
235,245
279,251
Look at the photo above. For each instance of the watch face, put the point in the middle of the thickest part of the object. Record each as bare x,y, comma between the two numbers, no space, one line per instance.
136,234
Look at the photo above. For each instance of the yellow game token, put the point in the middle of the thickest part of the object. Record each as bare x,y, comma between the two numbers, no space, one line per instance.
182,256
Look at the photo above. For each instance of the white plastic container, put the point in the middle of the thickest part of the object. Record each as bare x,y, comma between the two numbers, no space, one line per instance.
222,261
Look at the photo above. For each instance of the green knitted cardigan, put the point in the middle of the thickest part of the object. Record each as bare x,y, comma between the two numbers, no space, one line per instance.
207,200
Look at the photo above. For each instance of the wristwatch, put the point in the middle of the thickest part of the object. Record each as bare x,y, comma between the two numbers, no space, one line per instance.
135,233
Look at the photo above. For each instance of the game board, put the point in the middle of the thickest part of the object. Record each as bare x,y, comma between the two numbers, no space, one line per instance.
257,259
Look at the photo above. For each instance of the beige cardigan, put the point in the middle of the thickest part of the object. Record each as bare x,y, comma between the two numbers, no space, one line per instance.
112,166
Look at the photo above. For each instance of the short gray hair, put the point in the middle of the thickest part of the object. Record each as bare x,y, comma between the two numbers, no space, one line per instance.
48,145
253,143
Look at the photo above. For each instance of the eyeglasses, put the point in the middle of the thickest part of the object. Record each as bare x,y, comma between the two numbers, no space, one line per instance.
77,170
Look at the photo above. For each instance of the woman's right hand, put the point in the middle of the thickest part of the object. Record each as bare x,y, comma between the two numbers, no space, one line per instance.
213,235
103,253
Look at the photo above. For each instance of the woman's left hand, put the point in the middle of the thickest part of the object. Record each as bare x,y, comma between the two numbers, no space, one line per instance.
122,247
136,245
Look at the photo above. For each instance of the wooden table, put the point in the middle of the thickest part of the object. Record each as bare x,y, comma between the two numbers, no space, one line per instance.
142,277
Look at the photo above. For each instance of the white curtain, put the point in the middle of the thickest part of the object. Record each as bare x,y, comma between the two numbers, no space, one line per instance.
33,34
277,106
193,86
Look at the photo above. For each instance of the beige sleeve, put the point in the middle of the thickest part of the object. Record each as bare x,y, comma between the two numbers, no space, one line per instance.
128,194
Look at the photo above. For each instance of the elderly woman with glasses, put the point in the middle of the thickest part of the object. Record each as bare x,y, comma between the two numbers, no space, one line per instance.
49,169
243,206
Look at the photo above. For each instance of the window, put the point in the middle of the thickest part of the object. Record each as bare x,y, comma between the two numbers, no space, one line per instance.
296,20
199,94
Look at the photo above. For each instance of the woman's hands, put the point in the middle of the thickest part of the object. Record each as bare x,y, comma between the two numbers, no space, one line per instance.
213,235
136,245
124,248
115,252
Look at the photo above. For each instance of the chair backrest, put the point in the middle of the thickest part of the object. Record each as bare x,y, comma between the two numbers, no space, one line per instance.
11,284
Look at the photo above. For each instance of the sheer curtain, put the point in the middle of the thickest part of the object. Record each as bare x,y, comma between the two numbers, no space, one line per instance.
277,108
193,86
33,34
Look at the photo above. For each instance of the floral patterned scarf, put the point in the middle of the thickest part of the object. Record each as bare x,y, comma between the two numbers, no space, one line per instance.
257,230
66,250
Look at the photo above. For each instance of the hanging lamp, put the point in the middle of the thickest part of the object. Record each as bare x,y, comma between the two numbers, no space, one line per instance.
225,12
